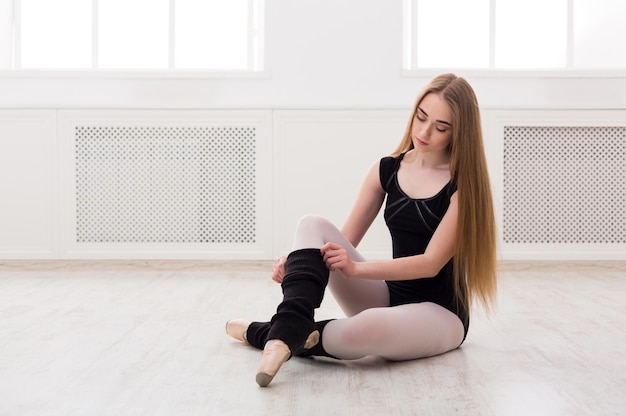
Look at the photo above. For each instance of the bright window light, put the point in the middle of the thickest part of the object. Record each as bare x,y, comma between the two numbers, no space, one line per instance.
223,35
531,34
599,32
56,34
133,34
514,35
211,34
452,33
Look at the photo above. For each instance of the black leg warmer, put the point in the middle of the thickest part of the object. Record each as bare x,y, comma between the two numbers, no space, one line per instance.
306,277
257,334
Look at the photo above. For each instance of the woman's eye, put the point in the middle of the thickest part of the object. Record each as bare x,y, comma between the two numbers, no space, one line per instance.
441,130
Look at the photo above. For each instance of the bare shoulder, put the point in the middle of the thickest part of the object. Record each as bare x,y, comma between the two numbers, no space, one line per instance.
372,178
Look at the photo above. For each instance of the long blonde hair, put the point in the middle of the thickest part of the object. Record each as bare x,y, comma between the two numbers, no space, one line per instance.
475,247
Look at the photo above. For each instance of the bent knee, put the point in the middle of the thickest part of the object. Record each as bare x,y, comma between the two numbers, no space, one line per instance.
312,222
316,226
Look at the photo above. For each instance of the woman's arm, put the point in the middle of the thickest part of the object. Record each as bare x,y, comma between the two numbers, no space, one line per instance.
366,207
439,251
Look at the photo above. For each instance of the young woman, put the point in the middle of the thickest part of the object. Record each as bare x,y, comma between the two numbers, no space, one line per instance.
439,212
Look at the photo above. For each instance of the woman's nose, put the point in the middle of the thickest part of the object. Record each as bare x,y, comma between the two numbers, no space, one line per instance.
425,130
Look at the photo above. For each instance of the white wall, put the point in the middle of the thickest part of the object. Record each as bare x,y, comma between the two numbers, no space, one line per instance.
333,85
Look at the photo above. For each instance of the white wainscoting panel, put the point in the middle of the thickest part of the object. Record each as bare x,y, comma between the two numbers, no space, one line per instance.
232,184
166,184
28,184
321,158
559,181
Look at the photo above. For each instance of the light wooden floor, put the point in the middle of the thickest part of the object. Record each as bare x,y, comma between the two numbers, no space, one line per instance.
147,338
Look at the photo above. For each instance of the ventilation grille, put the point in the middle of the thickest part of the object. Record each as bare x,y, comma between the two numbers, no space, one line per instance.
165,184
564,185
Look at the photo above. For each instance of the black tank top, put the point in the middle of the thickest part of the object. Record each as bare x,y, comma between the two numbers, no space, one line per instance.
412,223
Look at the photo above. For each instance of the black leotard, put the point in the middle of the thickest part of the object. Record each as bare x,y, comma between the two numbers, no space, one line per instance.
412,223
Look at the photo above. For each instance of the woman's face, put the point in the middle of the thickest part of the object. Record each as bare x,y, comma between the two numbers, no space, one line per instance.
432,124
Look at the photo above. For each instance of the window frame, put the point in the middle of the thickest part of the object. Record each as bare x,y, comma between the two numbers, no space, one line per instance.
255,53
410,68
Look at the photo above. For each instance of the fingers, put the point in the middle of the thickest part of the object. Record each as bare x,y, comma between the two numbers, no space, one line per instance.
278,269
329,249
335,256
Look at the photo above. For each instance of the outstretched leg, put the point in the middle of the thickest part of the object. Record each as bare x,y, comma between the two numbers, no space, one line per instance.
396,333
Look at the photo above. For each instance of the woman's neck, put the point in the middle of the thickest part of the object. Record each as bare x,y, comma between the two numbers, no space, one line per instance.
428,160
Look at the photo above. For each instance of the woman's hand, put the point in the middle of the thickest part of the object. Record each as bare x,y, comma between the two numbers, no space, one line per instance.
336,258
278,269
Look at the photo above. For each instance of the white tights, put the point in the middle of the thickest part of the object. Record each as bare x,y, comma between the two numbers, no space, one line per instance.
372,327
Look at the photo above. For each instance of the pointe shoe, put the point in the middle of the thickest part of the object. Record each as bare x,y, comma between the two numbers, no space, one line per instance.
276,352
237,329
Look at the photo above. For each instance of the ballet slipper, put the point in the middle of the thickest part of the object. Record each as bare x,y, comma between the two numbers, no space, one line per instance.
275,354
237,329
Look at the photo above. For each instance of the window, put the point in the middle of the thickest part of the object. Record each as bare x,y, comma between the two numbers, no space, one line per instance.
514,35
222,35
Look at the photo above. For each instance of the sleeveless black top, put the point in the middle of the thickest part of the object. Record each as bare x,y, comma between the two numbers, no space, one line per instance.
412,223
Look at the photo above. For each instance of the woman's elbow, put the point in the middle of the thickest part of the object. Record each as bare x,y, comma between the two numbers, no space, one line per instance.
434,266
431,272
